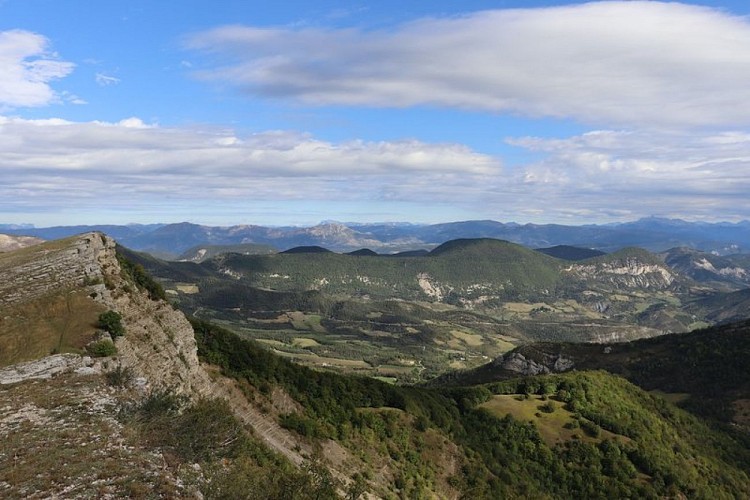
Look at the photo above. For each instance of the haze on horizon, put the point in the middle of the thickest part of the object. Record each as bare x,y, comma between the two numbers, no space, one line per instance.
297,112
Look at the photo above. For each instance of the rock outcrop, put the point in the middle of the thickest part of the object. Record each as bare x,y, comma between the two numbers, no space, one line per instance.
626,274
48,367
516,362
35,271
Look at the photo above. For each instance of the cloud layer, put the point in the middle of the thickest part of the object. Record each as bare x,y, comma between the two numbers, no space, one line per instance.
57,166
26,69
618,63
52,164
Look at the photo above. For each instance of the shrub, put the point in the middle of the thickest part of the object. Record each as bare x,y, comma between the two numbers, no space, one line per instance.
548,407
141,278
120,376
111,321
591,428
102,349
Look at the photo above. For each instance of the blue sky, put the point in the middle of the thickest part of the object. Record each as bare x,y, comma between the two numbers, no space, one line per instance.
236,112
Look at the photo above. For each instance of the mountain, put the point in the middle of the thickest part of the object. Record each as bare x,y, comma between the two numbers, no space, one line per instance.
307,249
9,243
731,272
202,252
364,252
176,408
654,234
567,252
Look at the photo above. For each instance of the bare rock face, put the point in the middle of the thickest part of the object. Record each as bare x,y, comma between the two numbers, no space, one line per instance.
48,367
628,273
159,343
32,272
517,362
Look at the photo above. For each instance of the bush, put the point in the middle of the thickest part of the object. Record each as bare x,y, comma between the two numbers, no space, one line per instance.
120,376
548,407
102,349
141,278
591,428
111,321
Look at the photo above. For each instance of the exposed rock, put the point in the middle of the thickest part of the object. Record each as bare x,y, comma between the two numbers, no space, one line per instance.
629,273
46,368
517,362
432,290
59,265
562,364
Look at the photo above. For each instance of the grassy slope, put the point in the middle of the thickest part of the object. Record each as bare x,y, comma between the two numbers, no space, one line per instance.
62,320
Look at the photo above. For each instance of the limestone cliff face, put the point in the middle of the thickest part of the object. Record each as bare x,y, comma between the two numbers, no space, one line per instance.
32,272
159,343
627,273
515,361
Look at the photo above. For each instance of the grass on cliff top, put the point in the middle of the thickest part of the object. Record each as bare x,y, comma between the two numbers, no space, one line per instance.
22,255
555,427
64,321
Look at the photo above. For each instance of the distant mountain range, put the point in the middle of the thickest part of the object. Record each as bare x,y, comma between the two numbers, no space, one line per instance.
653,234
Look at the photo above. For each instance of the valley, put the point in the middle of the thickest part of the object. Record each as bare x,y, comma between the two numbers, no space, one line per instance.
409,319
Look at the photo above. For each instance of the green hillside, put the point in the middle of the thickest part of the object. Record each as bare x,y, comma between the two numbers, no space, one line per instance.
465,268
203,252
591,434
706,369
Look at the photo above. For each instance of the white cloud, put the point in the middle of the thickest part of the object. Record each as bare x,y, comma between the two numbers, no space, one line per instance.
56,162
686,174
105,80
633,63
26,69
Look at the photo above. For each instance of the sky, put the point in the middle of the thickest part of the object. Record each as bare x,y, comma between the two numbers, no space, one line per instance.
293,112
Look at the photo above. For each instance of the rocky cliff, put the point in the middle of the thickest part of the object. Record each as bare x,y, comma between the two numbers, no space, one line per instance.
627,273
159,344
57,289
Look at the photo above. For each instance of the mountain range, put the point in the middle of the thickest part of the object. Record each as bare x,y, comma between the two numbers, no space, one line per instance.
654,234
